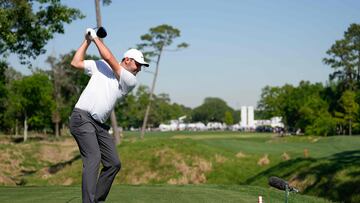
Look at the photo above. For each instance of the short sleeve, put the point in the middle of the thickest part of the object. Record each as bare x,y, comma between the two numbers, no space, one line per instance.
90,67
127,81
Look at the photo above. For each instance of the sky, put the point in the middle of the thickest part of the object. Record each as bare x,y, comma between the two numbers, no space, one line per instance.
237,47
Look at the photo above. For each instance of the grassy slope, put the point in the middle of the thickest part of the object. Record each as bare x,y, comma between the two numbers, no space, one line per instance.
331,170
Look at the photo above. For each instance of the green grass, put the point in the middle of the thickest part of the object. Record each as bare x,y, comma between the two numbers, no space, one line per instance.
331,171
153,193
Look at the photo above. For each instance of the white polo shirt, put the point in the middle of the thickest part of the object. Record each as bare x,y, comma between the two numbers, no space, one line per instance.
103,89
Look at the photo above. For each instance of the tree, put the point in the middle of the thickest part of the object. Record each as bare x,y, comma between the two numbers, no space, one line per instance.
164,110
154,44
350,108
212,110
26,27
30,100
344,57
228,118
236,116
57,75
269,105
299,106
314,117
323,125
281,101
3,92
68,84
7,75
130,111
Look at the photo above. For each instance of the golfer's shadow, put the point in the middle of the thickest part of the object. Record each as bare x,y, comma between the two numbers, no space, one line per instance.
57,167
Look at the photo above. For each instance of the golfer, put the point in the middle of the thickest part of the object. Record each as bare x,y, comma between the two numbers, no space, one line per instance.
109,81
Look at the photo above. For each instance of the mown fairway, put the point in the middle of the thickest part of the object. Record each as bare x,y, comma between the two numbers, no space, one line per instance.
229,165
152,194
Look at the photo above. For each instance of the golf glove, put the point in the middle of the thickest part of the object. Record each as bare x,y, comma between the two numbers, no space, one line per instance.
91,34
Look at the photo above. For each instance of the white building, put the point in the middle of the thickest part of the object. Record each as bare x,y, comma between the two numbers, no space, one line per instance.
274,122
247,117
251,122
243,122
277,122
248,121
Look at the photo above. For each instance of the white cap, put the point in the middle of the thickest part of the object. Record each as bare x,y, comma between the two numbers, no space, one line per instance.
136,55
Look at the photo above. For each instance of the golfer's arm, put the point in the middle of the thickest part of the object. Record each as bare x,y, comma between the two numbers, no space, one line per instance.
78,59
106,54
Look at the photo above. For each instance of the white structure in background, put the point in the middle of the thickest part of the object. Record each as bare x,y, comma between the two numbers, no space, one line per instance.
243,122
274,122
179,124
235,127
216,126
199,126
247,123
171,127
175,126
247,117
250,118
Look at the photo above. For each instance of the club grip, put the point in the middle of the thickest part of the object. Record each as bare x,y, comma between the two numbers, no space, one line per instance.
101,32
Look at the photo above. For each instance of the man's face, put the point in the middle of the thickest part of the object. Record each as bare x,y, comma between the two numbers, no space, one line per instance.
133,66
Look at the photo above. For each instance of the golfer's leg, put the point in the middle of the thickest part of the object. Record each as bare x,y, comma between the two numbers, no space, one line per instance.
111,165
85,137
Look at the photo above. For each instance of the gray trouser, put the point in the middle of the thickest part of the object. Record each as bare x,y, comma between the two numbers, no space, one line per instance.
95,145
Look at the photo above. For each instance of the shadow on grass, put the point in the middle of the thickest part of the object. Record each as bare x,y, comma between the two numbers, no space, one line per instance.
57,167
20,139
20,180
335,177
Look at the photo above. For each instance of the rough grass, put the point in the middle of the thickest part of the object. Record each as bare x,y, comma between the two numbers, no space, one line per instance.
328,167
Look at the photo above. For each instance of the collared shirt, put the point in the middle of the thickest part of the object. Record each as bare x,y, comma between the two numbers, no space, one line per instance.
103,89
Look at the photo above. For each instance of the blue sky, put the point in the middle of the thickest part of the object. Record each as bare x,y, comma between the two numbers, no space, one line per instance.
237,47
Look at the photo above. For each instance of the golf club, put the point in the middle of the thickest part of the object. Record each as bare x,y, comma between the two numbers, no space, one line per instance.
100,32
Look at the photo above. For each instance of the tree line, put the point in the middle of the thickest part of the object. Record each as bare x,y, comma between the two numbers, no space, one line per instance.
322,109
44,101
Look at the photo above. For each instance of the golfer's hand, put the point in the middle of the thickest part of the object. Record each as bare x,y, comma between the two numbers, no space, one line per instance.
90,34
